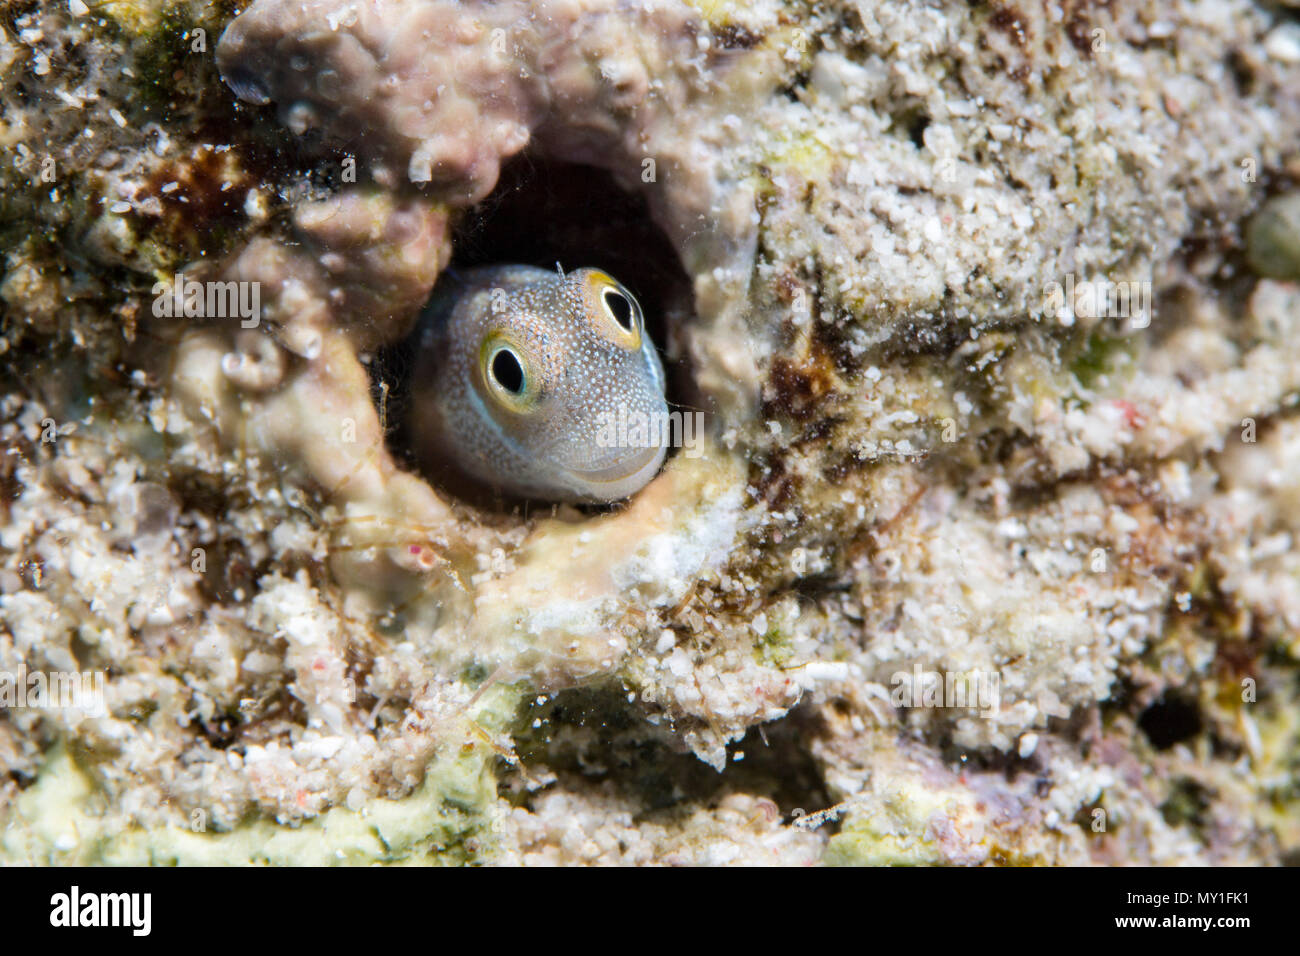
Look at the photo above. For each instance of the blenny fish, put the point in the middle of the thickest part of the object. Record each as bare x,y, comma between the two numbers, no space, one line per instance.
520,374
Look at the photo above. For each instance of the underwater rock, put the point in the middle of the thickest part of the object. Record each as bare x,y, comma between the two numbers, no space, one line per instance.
998,456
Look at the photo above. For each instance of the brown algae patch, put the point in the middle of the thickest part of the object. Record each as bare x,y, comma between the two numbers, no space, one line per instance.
915,464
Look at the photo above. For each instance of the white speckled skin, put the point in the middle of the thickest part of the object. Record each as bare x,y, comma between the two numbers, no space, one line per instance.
580,367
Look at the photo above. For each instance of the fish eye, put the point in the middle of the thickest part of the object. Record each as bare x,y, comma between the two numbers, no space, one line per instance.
619,308
507,371
507,374
611,311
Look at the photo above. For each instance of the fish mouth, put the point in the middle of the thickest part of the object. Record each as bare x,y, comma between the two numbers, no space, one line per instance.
631,465
624,478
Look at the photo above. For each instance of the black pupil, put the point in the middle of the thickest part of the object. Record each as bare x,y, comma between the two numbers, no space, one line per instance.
508,372
620,308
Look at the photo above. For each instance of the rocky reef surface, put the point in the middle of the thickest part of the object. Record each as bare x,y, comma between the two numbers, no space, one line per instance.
987,554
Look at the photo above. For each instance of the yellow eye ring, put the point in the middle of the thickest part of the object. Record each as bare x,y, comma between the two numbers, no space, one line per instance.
620,309
506,373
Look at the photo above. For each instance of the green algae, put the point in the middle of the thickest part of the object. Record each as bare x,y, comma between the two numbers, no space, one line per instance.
894,833
450,819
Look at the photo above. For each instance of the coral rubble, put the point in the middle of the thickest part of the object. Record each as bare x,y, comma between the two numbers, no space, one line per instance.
989,553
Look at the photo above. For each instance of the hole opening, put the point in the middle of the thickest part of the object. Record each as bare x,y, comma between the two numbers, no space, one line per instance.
540,213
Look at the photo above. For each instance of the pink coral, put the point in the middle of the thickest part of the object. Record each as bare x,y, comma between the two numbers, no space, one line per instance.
445,91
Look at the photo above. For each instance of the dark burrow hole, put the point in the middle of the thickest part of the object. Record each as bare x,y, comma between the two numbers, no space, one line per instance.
540,213
1171,720
916,127
594,734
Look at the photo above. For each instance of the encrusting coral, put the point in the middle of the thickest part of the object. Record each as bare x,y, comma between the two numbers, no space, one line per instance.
999,386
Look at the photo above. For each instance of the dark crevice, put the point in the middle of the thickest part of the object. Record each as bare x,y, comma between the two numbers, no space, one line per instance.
1173,719
542,213
593,733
